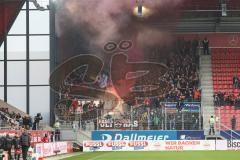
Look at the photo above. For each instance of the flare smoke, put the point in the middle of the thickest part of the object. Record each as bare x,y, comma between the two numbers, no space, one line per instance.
107,20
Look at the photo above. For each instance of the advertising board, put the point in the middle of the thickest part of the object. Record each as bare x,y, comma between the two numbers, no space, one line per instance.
121,124
228,145
50,149
134,135
190,135
187,106
143,145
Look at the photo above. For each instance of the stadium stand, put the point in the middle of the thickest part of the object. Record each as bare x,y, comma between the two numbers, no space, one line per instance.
11,108
201,5
72,109
210,5
226,114
225,67
182,78
13,118
233,4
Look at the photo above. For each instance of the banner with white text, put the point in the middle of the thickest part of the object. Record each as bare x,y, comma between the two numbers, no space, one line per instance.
168,145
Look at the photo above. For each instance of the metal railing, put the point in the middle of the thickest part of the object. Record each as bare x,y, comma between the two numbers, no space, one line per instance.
163,117
224,129
233,134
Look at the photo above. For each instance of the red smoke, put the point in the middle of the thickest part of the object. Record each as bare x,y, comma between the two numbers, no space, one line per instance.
101,21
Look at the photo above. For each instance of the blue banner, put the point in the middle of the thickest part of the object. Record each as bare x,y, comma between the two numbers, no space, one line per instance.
187,106
190,135
134,135
230,135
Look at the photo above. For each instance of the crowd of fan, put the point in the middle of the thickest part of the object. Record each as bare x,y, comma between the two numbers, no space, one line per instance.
183,73
68,109
17,121
5,118
182,77
226,99
155,118
20,143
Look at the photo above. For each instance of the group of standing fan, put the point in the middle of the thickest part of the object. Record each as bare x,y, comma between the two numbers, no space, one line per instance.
20,143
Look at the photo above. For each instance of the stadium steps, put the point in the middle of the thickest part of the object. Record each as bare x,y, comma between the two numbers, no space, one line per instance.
207,90
196,24
68,135
214,137
75,135
229,24
208,24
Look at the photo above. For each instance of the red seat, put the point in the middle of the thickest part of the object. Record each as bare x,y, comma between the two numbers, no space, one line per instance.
232,111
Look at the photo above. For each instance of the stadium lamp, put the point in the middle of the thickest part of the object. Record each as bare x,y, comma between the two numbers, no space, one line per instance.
139,7
140,10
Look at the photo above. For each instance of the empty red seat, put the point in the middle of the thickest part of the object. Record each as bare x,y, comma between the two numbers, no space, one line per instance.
232,111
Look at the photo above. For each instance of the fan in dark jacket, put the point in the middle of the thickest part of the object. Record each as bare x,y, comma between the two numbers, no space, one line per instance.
1,142
17,146
1,147
7,145
25,141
